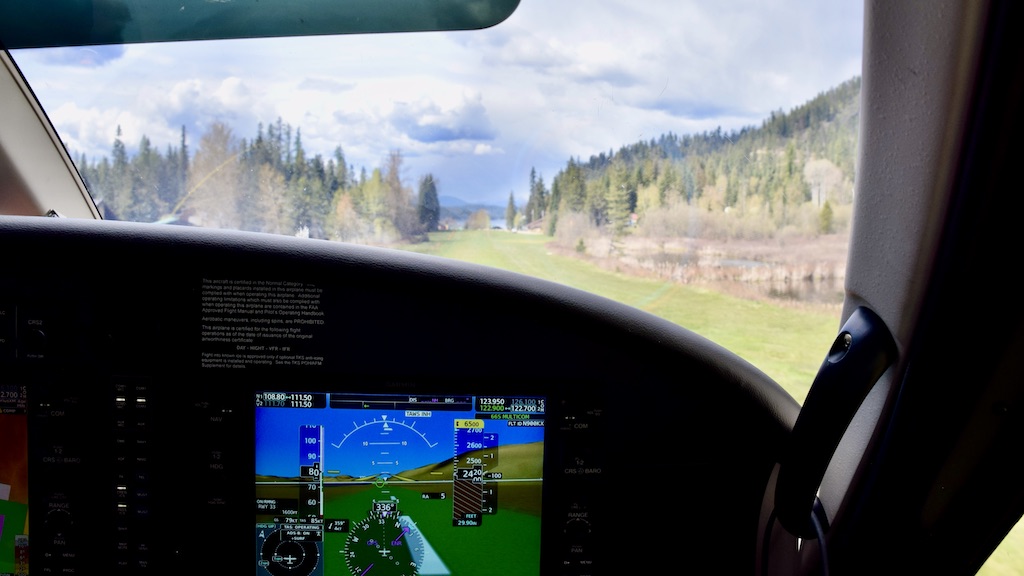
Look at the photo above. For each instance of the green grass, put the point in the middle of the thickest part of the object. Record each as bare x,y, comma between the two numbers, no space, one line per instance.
787,344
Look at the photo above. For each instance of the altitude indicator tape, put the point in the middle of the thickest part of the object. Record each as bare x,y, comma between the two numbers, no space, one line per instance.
475,452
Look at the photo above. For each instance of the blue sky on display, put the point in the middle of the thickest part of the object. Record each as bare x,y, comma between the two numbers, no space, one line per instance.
476,109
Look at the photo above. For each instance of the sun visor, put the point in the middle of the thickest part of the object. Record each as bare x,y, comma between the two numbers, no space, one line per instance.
52,23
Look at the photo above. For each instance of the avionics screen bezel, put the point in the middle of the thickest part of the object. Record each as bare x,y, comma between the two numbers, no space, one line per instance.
398,483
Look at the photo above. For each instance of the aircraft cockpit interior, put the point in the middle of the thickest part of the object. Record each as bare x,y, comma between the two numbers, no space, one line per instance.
178,394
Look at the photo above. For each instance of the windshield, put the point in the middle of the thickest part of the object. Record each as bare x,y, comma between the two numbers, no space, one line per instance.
695,160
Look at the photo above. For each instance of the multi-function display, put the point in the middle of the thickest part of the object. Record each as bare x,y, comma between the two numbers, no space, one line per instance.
374,485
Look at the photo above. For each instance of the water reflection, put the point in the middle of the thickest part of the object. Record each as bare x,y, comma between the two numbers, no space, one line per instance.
817,291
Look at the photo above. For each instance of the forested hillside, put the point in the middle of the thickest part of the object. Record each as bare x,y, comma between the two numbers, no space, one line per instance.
791,175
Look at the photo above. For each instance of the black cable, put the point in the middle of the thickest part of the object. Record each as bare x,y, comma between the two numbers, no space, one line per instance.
821,543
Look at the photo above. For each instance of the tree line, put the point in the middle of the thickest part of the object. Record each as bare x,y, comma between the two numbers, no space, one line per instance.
794,172
266,184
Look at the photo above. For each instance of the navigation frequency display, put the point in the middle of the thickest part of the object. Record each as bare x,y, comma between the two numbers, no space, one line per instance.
378,485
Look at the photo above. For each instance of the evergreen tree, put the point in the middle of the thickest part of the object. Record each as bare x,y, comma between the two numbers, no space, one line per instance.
826,219
510,212
531,200
575,186
540,192
168,177
429,206
309,205
369,197
145,203
554,201
537,203
298,169
284,133
618,208
341,170
183,165
597,199
117,193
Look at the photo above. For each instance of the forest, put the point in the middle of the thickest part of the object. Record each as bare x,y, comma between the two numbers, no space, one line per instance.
793,174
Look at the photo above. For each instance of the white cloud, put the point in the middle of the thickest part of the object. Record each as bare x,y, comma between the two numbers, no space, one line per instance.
479,108
328,85
482,149
425,121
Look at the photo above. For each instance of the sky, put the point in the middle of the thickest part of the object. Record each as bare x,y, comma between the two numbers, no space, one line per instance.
476,109
395,441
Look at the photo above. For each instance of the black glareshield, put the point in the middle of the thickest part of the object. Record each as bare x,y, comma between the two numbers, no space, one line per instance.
859,356
95,22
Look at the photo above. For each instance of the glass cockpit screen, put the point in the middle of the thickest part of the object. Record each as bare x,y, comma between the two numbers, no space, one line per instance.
376,485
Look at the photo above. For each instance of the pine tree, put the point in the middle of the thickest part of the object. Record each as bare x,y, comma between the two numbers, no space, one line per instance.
575,186
826,219
531,200
117,194
298,169
145,202
554,201
618,208
429,207
510,211
309,204
182,165
540,192
342,173
537,203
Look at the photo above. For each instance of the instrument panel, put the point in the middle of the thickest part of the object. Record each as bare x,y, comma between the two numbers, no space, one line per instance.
181,399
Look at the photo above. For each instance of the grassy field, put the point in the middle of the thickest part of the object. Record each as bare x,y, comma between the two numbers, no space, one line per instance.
787,344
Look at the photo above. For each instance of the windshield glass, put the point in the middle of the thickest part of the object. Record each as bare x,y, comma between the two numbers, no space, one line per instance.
692,159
